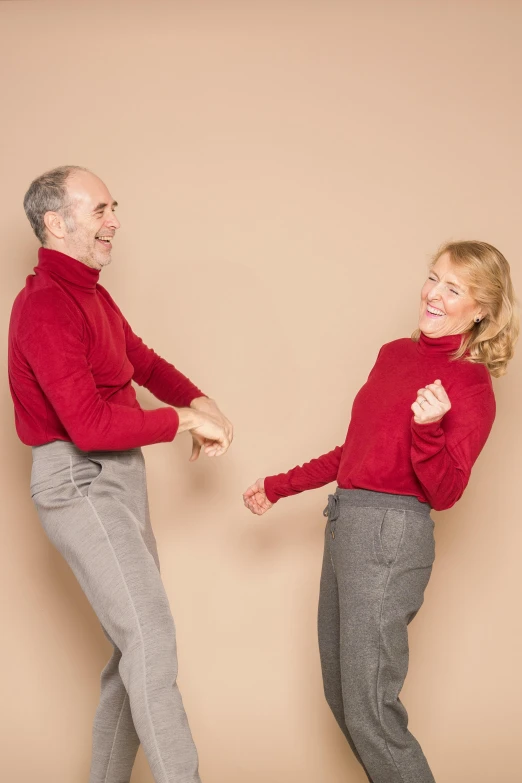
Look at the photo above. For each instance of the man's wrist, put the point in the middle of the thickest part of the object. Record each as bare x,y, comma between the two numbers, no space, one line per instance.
188,419
202,402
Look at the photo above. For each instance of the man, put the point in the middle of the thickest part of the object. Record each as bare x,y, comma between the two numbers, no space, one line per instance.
72,357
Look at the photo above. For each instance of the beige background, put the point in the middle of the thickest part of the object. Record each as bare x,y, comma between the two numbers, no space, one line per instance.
284,171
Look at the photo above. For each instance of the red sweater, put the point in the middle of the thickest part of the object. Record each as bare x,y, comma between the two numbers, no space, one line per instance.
72,357
385,450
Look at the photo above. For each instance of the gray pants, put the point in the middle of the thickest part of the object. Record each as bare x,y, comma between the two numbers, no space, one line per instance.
94,509
379,550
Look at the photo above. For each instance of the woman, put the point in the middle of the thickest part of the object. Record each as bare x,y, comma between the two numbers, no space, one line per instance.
417,426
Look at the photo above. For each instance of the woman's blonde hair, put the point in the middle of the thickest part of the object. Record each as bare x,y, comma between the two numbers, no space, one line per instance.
486,271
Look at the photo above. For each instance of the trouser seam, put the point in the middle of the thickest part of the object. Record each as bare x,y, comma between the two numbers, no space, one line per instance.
149,717
379,710
115,736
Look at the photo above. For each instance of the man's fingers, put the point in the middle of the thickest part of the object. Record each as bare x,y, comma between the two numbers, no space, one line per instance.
196,449
217,447
216,451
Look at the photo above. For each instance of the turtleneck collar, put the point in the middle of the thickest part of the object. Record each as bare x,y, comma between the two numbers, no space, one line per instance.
66,268
432,345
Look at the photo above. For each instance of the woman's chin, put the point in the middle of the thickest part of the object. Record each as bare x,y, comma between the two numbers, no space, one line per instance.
428,328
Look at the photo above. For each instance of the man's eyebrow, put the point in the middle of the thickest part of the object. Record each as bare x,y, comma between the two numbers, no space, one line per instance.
101,206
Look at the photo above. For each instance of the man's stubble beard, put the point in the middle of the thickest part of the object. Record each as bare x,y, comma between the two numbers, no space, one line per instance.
89,259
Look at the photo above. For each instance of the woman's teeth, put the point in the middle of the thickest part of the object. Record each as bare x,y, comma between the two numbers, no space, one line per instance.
434,310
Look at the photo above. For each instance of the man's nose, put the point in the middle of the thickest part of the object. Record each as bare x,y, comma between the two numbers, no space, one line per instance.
113,222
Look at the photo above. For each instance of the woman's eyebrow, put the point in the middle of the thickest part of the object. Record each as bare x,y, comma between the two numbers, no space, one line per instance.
449,282
456,285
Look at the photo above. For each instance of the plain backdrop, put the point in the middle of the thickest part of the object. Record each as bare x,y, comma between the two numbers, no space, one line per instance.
284,170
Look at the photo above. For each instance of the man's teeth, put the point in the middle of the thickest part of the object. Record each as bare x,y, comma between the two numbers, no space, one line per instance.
434,311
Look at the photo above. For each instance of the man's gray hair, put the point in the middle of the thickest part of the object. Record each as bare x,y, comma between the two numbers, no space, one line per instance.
48,193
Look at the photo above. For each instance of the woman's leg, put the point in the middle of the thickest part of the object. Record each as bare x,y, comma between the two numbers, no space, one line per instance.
330,642
382,559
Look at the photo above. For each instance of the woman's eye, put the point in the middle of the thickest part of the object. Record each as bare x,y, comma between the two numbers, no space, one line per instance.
454,292
433,279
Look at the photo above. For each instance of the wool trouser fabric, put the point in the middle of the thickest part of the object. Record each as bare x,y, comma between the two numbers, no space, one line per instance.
94,509
378,555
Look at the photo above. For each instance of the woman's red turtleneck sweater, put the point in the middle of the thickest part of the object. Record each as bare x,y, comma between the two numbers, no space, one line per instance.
72,357
385,450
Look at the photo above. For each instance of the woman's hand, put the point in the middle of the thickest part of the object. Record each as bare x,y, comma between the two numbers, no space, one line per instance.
255,498
432,403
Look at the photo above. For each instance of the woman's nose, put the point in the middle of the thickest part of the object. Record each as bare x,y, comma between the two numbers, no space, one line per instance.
435,292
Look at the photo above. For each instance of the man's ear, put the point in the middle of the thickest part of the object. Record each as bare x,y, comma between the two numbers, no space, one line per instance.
55,224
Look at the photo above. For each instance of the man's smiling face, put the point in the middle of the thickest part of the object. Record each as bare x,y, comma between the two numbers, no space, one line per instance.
91,222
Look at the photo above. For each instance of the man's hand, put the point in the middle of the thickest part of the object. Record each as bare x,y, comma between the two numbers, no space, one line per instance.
208,406
432,404
207,432
255,498
197,444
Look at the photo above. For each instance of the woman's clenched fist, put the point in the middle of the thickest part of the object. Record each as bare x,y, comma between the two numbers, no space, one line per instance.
431,404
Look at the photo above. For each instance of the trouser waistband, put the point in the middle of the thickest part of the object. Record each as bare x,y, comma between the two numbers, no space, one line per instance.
364,498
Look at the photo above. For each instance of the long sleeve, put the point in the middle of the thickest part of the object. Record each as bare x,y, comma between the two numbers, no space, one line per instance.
53,341
311,475
153,372
443,453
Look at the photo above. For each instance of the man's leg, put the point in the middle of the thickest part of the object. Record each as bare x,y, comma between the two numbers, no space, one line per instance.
94,510
115,741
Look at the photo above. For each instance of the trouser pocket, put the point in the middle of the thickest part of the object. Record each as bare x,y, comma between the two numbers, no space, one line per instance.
388,535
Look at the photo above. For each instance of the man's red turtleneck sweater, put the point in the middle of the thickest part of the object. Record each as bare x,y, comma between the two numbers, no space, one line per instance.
385,450
72,357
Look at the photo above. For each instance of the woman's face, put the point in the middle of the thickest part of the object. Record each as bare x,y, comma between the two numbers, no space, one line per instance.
446,306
